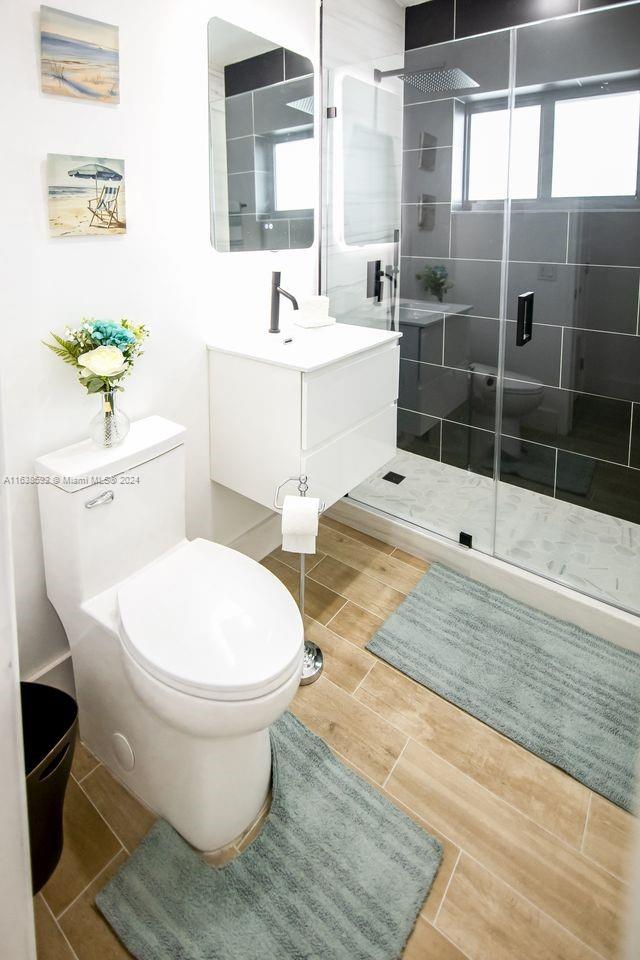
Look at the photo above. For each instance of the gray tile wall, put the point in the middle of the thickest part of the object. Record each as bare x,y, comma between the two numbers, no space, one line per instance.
571,425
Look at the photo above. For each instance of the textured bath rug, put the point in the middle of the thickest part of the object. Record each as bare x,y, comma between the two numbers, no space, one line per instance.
337,873
566,695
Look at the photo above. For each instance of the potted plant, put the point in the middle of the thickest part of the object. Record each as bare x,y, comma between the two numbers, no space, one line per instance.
435,280
103,352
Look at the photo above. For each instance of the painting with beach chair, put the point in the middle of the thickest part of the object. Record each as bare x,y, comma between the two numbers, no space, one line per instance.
86,196
79,57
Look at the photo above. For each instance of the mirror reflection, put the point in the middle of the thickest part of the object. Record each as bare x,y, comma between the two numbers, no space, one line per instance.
261,127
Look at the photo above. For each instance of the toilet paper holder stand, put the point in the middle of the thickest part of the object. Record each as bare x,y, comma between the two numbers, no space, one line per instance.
313,660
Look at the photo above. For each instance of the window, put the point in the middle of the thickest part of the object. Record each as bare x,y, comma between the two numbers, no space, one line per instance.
293,159
595,146
489,154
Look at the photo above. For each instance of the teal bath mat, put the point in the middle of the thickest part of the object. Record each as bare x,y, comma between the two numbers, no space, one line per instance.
337,873
566,695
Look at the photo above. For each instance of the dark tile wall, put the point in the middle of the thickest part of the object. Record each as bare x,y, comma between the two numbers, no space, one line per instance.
252,113
571,411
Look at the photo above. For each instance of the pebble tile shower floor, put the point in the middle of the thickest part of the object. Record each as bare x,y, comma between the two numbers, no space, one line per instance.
535,863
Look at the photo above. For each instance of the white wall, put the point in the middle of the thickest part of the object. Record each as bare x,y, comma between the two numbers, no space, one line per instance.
163,272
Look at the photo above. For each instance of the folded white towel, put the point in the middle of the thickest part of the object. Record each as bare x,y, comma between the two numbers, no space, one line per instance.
300,524
310,320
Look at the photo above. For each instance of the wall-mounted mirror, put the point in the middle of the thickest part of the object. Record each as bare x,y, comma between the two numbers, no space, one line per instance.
261,146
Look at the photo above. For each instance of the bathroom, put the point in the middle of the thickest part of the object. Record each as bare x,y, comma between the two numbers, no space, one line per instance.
513,467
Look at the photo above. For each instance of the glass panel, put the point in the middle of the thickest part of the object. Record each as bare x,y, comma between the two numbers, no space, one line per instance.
489,153
568,498
398,160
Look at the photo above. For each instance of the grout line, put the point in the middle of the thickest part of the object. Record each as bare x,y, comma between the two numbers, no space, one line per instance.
102,817
586,822
638,311
446,889
396,761
331,619
562,329
566,256
630,436
308,569
555,473
61,931
93,880
366,674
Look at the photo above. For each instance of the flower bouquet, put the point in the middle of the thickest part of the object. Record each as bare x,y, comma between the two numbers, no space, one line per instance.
103,352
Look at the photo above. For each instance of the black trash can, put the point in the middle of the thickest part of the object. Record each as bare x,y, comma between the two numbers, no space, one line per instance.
49,726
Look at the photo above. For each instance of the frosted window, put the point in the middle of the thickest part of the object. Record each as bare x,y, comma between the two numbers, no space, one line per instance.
293,161
489,154
595,146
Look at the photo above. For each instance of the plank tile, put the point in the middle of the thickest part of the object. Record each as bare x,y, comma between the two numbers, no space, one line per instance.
609,836
355,624
50,943
358,587
388,570
559,881
321,603
83,761
349,727
427,943
129,819
547,795
293,559
486,918
356,534
89,844
87,931
344,662
409,558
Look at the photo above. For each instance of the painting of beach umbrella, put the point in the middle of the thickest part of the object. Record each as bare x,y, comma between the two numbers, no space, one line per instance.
86,196
79,57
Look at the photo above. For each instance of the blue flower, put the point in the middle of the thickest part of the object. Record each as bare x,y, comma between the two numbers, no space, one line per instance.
107,333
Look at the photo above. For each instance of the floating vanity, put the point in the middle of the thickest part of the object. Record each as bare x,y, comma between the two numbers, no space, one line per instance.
320,402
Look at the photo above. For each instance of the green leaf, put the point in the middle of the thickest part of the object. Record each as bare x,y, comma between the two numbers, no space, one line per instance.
95,385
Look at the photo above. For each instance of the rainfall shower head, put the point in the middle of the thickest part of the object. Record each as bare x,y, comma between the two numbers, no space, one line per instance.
304,105
433,80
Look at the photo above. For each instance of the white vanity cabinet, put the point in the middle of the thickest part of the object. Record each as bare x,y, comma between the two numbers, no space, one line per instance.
322,404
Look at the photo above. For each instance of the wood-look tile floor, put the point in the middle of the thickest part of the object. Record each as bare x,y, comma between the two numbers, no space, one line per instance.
534,862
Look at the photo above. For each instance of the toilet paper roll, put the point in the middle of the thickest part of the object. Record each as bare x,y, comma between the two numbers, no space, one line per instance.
300,524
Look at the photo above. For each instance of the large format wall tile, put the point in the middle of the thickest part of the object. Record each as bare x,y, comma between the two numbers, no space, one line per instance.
593,297
635,437
419,434
538,236
484,59
605,487
477,236
425,229
469,341
473,17
426,175
428,23
604,363
605,238
421,336
539,358
239,116
428,124
468,448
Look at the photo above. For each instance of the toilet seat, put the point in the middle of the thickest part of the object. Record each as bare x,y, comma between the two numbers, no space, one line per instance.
210,622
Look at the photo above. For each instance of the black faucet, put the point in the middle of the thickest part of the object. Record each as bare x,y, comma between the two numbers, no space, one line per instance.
276,292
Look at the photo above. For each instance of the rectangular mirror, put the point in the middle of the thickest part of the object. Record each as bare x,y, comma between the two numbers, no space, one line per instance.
261,142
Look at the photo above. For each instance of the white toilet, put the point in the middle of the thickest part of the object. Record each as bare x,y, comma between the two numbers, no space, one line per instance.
184,653
521,395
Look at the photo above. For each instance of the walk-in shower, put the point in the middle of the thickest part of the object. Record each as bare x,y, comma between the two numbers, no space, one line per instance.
492,181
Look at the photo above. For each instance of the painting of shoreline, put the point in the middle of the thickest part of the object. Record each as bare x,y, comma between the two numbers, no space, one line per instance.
79,57
86,196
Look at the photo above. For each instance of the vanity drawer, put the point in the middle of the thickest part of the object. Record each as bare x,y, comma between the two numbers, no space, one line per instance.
342,464
335,399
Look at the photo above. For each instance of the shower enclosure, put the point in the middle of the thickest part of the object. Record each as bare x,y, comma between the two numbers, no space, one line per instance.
481,195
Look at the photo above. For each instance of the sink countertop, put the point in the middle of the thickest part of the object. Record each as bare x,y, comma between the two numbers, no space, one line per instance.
309,349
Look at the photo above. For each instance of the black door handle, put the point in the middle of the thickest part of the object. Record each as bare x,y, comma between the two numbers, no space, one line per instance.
524,327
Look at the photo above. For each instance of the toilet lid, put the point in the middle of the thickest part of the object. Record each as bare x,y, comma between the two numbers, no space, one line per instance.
211,622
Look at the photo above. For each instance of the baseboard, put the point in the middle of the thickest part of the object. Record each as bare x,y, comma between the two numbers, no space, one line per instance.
57,673
559,601
261,539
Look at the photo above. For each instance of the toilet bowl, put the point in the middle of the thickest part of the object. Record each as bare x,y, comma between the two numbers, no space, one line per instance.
184,652
521,395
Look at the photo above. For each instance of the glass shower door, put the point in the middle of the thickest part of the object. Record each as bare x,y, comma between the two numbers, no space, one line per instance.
395,158
568,496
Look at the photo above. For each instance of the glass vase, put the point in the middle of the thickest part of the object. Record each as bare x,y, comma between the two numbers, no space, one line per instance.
111,425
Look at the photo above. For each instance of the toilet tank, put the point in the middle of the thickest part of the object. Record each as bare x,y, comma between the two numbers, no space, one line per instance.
107,512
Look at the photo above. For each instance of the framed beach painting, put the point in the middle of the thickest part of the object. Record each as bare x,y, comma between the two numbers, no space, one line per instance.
86,196
79,57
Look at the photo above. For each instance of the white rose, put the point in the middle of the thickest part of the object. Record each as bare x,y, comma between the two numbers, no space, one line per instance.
103,362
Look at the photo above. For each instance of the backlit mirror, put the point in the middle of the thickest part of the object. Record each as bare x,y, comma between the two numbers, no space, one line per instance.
261,147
